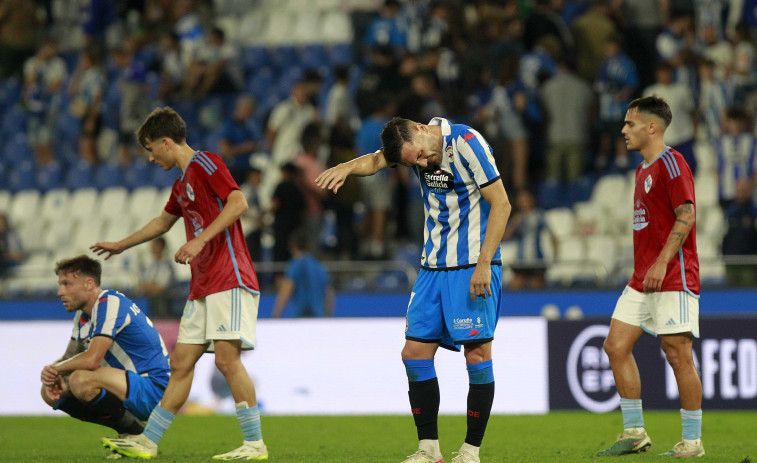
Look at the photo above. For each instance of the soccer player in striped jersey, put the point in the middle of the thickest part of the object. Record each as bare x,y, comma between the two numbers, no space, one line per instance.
221,313
115,367
662,297
455,299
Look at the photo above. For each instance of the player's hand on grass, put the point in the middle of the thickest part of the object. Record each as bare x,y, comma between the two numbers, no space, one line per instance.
653,279
480,282
109,248
189,251
333,179
49,375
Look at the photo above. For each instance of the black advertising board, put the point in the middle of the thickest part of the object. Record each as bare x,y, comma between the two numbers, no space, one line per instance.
580,374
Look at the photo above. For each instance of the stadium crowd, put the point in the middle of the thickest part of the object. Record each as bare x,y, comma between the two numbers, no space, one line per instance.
546,81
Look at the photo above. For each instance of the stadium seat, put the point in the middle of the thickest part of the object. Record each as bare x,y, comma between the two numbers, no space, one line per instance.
164,179
551,194
21,177
610,190
58,235
591,218
144,204
86,232
561,221
706,189
113,203
137,174
80,174
336,27
340,53
260,82
55,205
5,201
24,207
307,26
30,233
570,266
279,31
255,21
108,175
254,58
83,202
49,176
314,56
17,150
602,252
284,57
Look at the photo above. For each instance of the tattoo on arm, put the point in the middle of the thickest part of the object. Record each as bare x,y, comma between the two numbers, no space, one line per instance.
682,221
685,208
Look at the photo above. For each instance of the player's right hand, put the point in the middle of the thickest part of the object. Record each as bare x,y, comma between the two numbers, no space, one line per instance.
106,247
49,375
332,179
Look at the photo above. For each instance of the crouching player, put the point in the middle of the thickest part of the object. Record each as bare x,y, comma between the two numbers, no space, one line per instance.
115,368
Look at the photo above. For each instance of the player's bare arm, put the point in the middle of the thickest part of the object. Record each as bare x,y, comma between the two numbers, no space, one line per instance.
49,373
685,219
235,206
333,179
154,228
495,195
87,360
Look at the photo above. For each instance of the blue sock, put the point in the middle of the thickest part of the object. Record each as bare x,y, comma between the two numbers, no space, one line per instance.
480,373
632,413
692,424
420,370
160,420
249,421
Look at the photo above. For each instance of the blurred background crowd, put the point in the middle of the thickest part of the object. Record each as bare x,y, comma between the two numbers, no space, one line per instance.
282,89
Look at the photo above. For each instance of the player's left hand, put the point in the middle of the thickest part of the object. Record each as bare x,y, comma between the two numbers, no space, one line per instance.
189,251
653,279
480,282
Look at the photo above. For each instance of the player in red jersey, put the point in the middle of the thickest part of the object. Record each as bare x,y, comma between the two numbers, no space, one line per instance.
222,309
662,297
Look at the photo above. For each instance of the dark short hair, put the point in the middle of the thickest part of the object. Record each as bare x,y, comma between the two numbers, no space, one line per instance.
396,132
162,122
80,265
653,105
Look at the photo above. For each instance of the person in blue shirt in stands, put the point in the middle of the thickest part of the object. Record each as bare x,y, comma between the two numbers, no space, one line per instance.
306,283
115,368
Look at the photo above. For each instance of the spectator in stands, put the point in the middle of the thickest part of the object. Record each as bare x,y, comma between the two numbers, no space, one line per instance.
528,226
423,101
717,50
737,154
134,101
568,105
342,146
387,29
157,280
616,83
741,237
592,31
545,20
288,207
115,368
239,137
286,123
675,46
173,69
17,35
97,16
643,20
680,133
86,93
379,75
215,68
715,95
44,74
744,75
305,286
253,217
339,103
310,166
11,248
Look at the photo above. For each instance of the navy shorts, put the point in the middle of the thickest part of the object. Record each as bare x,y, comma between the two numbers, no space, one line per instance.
142,396
441,310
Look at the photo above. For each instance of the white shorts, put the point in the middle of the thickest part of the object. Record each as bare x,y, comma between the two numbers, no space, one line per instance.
666,312
228,315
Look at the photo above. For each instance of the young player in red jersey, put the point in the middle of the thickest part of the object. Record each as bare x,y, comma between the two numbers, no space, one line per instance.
662,297
222,309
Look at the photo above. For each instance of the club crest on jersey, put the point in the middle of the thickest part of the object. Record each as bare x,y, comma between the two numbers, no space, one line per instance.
190,192
449,152
648,183
438,180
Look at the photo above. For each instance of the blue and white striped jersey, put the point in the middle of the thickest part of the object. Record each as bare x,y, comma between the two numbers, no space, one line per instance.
136,347
455,212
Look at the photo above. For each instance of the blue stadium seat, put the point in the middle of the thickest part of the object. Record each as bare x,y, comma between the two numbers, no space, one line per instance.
341,53
137,174
80,174
68,128
21,176
284,57
261,81
549,194
314,56
10,91
14,120
17,149
49,176
162,178
288,79
254,58
108,174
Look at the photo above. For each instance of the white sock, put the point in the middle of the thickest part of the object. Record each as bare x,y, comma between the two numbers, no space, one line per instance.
472,449
696,442
431,447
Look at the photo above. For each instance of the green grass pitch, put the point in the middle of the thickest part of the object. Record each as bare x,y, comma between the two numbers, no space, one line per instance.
557,436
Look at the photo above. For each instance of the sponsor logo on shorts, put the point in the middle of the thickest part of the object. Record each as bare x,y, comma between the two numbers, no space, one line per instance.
473,332
462,324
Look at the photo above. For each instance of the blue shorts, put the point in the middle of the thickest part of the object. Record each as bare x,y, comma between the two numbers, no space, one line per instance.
441,310
142,395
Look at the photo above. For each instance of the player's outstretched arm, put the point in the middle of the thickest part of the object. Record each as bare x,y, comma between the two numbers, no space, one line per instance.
685,219
154,228
333,179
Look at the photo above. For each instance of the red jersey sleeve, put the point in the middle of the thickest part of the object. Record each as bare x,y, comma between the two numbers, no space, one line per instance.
220,181
681,188
172,206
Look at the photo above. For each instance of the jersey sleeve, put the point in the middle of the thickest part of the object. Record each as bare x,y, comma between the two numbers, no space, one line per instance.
219,178
478,158
172,206
111,314
681,188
